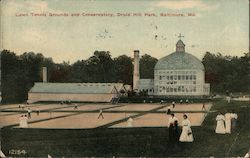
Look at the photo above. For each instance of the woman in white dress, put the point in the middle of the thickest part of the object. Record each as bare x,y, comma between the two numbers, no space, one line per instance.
186,134
130,122
21,121
228,120
25,121
220,127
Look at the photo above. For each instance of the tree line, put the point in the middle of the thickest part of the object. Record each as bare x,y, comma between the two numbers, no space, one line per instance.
19,72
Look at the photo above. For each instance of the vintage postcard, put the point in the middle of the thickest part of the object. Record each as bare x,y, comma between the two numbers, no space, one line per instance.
123,78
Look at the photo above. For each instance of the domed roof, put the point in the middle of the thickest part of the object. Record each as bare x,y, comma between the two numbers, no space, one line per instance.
179,60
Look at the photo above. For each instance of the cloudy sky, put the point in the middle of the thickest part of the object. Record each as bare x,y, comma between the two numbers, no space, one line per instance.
217,26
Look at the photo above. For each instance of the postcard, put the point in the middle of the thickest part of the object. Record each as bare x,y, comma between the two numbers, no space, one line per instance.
123,78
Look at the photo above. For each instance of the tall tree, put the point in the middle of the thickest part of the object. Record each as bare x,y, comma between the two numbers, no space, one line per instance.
226,72
123,69
100,67
147,64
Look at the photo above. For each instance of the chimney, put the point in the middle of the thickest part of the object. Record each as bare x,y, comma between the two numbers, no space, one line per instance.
136,74
44,74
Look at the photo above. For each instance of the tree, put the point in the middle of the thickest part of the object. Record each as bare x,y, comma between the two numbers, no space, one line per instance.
226,72
147,64
123,67
100,67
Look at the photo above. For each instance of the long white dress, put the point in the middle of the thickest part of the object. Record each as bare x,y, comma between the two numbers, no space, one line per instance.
130,122
228,99
228,118
186,134
25,122
247,155
220,128
2,154
21,122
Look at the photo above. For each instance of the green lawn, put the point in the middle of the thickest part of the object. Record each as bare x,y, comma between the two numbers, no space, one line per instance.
132,142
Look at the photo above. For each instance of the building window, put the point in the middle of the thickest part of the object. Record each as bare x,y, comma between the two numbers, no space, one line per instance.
175,89
171,89
179,88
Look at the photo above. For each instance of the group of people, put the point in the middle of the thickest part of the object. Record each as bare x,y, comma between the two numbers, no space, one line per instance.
226,123
23,120
186,134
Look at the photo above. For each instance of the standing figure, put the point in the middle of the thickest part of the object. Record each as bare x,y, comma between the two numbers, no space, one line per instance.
203,107
37,111
228,99
130,122
161,101
168,111
234,120
22,106
21,121
220,127
181,101
76,107
228,119
29,113
176,131
25,121
173,104
100,114
187,101
186,134
171,123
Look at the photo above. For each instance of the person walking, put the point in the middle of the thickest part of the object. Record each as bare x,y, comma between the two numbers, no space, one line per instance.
173,104
100,114
203,107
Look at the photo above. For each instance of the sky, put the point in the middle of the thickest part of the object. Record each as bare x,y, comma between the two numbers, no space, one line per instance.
215,26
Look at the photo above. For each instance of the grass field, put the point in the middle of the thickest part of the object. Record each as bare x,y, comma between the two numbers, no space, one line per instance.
131,141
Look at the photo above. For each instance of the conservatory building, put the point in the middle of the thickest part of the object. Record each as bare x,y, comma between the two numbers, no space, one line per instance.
180,74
